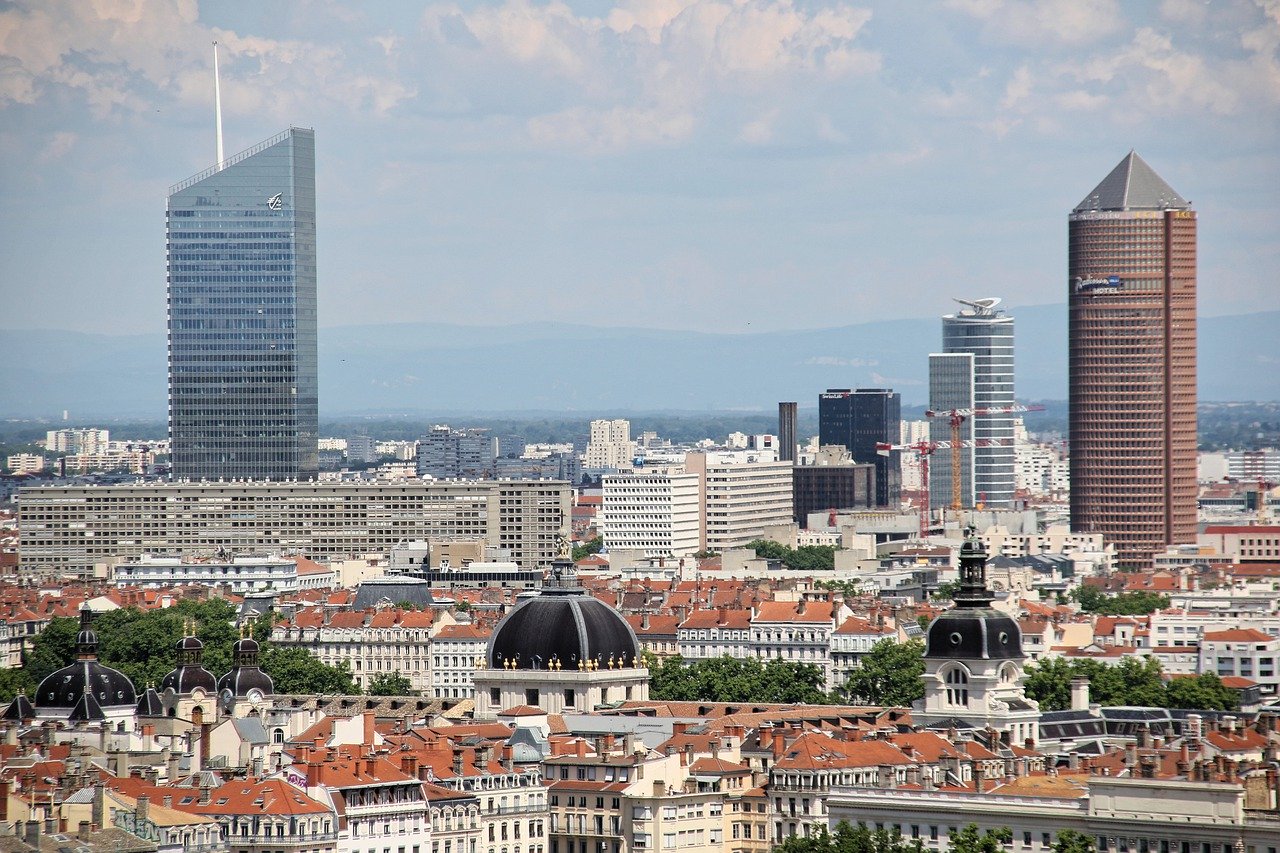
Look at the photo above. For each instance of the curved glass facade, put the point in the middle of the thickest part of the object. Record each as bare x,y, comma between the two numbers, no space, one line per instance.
241,255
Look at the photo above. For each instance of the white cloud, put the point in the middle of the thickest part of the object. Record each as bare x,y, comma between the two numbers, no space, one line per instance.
609,130
759,131
59,145
1066,22
128,55
642,71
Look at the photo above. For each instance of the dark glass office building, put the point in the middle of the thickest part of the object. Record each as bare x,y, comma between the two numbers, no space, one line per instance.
242,315
859,420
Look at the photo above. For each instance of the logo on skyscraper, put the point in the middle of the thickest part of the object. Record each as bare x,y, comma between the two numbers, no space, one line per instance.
276,201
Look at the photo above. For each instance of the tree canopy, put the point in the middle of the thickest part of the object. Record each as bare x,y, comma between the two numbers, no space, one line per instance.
889,674
850,839
972,840
806,558
730,679
141,645
1093,600
1130,682
592,546
390,684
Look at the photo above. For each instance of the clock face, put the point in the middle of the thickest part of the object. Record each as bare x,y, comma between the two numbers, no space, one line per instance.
276,201
255,695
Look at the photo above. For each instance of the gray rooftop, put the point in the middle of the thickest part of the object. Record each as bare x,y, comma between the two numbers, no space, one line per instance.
1132,185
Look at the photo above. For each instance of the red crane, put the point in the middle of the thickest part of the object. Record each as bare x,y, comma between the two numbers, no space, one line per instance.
925,449
957,417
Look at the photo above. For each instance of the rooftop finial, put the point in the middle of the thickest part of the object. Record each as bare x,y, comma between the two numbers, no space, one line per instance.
217,106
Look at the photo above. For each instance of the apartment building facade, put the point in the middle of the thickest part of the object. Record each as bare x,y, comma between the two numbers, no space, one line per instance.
68,529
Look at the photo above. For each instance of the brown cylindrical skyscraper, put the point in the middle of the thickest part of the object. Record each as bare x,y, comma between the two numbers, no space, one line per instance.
1132,275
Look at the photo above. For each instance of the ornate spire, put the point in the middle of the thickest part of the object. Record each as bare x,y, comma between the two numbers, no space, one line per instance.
973,573
87,639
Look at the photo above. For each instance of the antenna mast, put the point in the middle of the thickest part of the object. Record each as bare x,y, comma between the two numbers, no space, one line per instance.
217,106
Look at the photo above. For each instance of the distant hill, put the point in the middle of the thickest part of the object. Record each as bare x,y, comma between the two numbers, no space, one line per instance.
564,367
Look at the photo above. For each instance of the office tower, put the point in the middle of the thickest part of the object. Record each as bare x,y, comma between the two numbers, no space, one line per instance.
859,420
447,454
787,425
610,445
831,481
656,510
242,315
1132,298
984,380
745,493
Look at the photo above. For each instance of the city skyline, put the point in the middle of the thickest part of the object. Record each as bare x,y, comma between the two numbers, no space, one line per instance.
525,163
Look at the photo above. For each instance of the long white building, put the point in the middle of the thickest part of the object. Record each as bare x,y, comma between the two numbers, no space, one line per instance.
653,510
743,493
70,528
242,573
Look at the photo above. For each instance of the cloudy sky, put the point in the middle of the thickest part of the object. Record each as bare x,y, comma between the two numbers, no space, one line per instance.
724,165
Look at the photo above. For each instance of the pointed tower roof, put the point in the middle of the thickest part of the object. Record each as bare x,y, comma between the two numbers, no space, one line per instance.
1132,185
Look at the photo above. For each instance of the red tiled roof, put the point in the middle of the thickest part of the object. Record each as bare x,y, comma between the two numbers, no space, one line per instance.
1238,635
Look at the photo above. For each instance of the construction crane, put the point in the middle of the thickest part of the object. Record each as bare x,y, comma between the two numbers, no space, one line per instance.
925,449
956,418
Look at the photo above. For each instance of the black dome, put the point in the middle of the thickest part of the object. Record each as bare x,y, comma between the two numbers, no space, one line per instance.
243,679
65,688
246,675
86,680
974,633
188,677
973,629
564,625
189,673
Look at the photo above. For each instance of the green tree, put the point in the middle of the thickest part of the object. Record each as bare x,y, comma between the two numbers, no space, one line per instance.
53,648
849,587
294,670
1049,683
947,590
806,558
391,684
730,679
1072,841
592,546
889,674
971,840
1093,600
1201,691
13,681
850,839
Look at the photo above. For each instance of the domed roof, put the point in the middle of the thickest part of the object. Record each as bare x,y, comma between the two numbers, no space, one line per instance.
974,634
394,590
187,678
973,629
246,675
106,688
563,625
190,672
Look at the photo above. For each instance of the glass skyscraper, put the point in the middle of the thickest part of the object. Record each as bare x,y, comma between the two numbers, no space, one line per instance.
242,315
984,332
859,420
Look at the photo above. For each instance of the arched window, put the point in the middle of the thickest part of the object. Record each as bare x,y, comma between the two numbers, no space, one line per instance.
957,681
1008,674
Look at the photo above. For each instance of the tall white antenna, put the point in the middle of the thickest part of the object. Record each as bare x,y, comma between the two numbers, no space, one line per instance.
217,105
